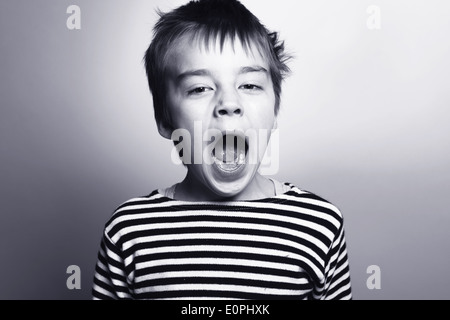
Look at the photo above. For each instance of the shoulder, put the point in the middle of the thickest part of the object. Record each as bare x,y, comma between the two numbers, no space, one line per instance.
313,204
132,211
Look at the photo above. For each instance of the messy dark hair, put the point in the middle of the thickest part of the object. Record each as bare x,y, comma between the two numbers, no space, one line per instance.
210,20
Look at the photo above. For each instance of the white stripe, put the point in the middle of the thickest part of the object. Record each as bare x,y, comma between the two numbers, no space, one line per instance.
109,281
337,282
111,254
218,261
335,257
102,266
117,271
109,267
219,287
109,294
342,267
221,274
103,291
344,288
102,278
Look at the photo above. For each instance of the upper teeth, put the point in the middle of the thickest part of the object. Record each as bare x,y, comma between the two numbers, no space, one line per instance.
237,160
231,150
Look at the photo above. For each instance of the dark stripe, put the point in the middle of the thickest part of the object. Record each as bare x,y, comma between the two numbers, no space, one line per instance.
100,296
116,289
229,268
260,284
344,282
344,273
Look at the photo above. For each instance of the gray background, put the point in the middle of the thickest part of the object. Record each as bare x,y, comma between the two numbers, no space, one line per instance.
364,123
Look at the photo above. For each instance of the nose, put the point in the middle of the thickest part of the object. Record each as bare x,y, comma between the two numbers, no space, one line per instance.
228,104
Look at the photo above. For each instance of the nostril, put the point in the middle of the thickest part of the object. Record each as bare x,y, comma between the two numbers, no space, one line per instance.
237,111
222,112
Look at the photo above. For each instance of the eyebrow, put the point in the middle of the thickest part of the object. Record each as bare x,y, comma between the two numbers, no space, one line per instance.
252,69
192,73
206,72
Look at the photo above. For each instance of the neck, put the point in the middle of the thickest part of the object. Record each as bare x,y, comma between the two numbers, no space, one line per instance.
190,189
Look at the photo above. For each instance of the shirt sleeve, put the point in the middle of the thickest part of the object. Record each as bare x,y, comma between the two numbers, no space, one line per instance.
337,284
110,279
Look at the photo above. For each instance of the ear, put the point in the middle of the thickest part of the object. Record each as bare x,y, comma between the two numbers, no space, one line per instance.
165,129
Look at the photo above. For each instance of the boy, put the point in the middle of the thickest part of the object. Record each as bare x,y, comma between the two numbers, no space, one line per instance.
225,231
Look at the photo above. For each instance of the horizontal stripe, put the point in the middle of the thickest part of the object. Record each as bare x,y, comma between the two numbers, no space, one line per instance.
205,261
261,285
266,270
221,274
216,287
213,295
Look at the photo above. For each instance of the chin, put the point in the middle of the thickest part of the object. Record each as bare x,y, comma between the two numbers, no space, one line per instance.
232,184
228,191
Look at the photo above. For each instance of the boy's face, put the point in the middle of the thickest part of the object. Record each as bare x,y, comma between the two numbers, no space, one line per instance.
226,94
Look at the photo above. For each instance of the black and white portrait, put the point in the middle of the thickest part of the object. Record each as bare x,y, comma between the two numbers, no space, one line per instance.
361,120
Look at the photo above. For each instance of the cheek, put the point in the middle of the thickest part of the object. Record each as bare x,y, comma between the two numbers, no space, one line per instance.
265,113
193,120
180,114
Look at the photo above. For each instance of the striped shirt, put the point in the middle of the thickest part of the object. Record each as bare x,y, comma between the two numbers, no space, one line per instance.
289,246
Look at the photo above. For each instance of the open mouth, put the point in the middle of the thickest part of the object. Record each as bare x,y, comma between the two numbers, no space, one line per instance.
230,152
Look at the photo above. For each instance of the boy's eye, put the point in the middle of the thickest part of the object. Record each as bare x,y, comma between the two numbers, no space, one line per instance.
250,87
198,90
